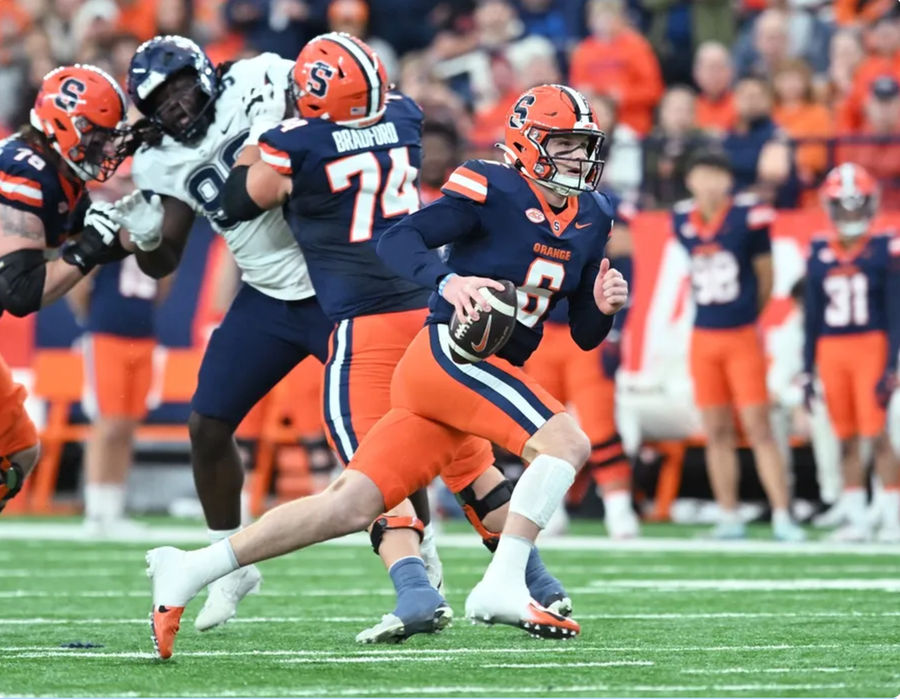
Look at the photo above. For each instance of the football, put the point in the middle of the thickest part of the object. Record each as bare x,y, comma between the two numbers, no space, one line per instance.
473,341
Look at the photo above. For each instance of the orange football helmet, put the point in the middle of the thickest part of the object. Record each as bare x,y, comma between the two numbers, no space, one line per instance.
850,195
81,111
553,111
340,78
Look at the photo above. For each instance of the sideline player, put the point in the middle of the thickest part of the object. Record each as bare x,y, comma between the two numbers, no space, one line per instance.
551,143
727,240
343,186
852,324
76,135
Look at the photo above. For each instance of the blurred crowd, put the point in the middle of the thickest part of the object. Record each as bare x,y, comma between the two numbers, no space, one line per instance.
788,87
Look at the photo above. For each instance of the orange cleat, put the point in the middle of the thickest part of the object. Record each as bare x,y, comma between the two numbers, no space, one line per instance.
491,602
542,623
164,624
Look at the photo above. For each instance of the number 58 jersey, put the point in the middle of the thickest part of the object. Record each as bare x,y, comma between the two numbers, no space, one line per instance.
722,252
349,186
267,254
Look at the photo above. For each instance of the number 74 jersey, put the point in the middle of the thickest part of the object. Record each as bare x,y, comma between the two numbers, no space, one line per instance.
349,186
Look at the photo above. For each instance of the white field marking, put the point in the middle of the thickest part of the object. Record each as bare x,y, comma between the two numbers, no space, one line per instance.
662,616
771,670
40,532
738,585
563,665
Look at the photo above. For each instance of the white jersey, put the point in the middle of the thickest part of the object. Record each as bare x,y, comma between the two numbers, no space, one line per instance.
264,248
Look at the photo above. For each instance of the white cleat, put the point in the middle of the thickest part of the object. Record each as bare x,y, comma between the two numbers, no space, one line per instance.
788,531
391,628
850,534
492,604
833,517
729,531
224,596
888,535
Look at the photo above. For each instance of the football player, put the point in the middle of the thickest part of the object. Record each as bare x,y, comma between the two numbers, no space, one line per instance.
727,240
76,135
536,221
852,335
344,185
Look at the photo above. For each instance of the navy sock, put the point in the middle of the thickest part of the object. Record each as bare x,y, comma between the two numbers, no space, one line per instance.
409,573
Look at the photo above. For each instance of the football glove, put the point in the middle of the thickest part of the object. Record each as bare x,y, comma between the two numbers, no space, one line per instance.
99,240
142,219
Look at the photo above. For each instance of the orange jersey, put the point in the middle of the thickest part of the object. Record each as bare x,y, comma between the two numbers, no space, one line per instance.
624,67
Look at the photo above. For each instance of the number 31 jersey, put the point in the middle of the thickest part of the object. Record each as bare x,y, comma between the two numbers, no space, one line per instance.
349,186
722,252
264,249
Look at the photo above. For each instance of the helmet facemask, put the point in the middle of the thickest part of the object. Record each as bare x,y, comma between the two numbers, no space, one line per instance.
563,173
852,214
100,150
182,109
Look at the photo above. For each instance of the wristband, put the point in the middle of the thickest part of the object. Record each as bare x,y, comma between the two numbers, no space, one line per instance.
443,282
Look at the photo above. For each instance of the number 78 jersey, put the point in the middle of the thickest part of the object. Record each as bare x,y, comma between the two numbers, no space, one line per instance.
722,252
349,186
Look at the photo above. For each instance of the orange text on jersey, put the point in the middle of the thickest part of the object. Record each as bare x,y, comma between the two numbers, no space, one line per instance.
554,253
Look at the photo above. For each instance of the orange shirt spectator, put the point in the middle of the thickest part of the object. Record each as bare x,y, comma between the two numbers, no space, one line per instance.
880,152
713,73
800,117
138,17
618,62
883,59
854,11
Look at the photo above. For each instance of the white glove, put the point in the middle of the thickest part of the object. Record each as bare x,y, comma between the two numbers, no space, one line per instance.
265,106
141,218
101,217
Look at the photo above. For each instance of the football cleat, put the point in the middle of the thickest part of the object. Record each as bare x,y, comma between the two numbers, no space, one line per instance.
164,625
788,531
561,606
728,531
392,629
224,596
488,604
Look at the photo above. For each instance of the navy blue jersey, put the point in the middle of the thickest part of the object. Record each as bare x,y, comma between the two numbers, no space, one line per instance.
349,187
497,224
122,301
850,291
29,183
722,251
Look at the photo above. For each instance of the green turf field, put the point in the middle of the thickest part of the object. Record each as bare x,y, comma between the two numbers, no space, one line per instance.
660,619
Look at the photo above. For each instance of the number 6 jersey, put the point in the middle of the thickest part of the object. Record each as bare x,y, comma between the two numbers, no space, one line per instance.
349,186
722,253
195,174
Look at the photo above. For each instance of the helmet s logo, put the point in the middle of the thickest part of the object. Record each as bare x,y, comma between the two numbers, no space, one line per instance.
520,111
70,94
319,75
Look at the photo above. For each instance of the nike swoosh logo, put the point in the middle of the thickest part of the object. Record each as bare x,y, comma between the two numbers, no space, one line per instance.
484,338
583,225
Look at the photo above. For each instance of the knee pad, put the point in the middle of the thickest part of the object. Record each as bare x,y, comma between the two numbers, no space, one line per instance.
476,510
385,523
11,478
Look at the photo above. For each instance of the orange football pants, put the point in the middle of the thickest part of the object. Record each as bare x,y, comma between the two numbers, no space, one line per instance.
364,354
850,383
17,431
728,367
119,373
437,406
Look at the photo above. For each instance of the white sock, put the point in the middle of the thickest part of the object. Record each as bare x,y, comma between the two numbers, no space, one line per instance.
219,534
617,501
104,502
541,489
212,562
428,547
855,506
890,508
780,517
510,559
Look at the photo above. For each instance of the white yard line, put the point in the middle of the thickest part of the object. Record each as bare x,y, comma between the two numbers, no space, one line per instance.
770,670
560,666
39,532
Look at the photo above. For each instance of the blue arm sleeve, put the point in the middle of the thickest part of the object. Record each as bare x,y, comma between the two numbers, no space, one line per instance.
892,304
813,311
760,242
588,325
408,248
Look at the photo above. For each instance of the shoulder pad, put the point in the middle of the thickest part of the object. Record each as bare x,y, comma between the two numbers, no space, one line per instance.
277,144
468,181
760,216
24,175
402,100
